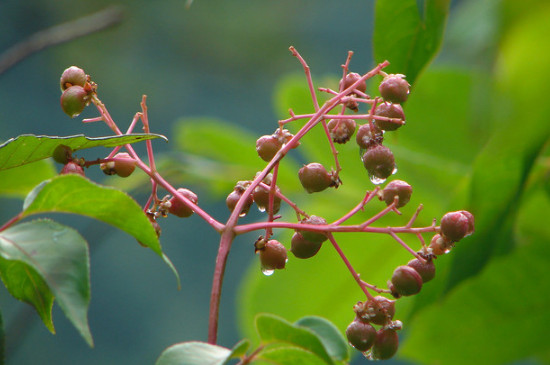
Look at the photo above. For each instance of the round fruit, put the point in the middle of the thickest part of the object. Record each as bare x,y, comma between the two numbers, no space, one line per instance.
124,164
314,177
261,197
178,208
352,78
234,197
379,311
390,110
366,138
62,154
302,248
394,88
385,344
426,270
72,76
361,335
406,281
440,245
273,255
314,236
397,188
72,168
455,226
379,162
267,147
341,130
73,100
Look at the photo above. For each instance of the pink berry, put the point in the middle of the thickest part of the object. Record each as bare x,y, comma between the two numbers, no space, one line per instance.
394,88
456,225
73,100
426,270
398,188
352,78
379,162
390,110
366,137
273,255
385,344
314,177
178,208
302,248
406,281
267,147
341,130
361,335
72,76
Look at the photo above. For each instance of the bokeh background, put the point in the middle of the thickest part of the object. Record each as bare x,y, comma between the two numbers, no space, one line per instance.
217,58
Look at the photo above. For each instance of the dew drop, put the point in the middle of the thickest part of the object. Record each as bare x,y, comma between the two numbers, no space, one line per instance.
394,170
242,214
447,250
267,272
261,208
376,180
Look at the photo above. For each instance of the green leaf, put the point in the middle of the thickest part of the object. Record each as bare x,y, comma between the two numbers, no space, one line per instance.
59,255
287,355
75,194
272,328
194,353
502,168
332,339
239,350
28,148
500,316
407,36
18,182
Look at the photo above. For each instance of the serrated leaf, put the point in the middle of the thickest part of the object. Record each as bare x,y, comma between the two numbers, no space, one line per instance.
272,329
28,148
407,36
18,182
59,255
194,353
328,333
75,194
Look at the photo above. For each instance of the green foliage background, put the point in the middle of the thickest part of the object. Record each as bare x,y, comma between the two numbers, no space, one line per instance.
476,138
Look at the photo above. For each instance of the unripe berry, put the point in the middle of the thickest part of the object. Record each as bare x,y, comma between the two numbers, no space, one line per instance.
426,270
314,236
72,76
302,248
406,281
178,208
361,335
261,197
389,110
62,154
273,255
352,78
456,225
72,168
341,130
124,164
314,177
378,311
394,88
440,245
234,197
385,344
366,137
73,100
397,188
267,147
379,162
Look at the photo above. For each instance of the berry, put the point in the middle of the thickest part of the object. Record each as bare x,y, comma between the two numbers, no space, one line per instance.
72,168
234,197
267,147
178,208
397,188
366,138
456,225
379,162
471,221
361,335
389,110
378,311
261,197
440,245
426,270
73,100
352,78
273,254
314,236
302,248
62,154
72,76
406,281
314,177
394,88
122,164
385,344
341,130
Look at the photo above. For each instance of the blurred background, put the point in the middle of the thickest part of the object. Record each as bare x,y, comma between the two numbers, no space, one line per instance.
221,59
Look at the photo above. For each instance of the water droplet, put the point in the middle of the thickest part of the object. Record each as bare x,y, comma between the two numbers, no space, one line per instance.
369,356
267,272
261,208
242,214
394,170
376,180
447,250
